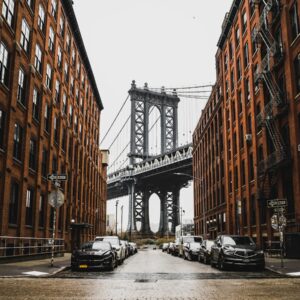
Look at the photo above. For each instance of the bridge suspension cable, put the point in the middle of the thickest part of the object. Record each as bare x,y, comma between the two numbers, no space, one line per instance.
115,119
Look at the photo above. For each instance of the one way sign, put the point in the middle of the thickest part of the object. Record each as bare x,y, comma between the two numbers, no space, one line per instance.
57,177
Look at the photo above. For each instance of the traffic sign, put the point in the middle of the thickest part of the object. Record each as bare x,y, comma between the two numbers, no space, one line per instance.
277,203
56,198
274,222
280,210
59,177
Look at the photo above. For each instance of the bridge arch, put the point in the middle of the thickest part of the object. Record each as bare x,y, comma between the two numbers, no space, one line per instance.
154,131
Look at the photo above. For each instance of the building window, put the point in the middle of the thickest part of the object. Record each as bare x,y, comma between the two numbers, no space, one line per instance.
72,84
54,8
61,26
25,36
230,51
66,72
237,36
232,80
239,69
68,42
54,164
252,7
246,55
251,167
18,139
51,39
13,203
64,107
36,100
241,136
30,3
42,211
226,62
253,211
294,20
230,182
64,139
59,57
29,207
32,154
297,72
49,77
243,173
4,58
244,22
21,87
44,163
249,121
254,45
41,18
247,90
8,8
71,115
260,153
47,118
38,58
56,129
2,128
73,56
57,91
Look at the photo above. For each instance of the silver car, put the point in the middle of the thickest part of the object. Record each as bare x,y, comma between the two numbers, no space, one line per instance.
116,244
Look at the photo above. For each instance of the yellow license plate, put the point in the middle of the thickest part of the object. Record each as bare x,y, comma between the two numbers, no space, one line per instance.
83,266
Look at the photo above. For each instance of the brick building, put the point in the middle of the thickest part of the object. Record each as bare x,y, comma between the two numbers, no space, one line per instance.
49,123
258,76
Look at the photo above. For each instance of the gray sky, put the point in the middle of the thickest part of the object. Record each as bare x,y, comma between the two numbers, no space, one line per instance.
162,42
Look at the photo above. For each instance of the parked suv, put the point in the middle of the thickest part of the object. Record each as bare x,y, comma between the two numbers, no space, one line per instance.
116,244
236,250
183,240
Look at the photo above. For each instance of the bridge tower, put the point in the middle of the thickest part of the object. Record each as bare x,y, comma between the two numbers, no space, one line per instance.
142,100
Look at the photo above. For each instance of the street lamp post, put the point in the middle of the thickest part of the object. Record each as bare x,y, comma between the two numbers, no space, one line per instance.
181,211
117,202
121,221
203,202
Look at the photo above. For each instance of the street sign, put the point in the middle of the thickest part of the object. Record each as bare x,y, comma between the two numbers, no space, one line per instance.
277,203
59,177
280,210
56,198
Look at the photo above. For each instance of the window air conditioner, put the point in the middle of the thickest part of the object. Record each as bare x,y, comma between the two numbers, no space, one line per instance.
248,137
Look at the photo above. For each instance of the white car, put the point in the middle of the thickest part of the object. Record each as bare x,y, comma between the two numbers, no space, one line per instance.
116,244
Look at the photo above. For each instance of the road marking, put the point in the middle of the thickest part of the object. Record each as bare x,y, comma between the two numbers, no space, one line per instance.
35,273
294,274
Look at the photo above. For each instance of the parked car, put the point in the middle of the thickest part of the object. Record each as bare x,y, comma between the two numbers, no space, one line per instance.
171,247
191,251
188,239
176,248
116,244
94,254
134,247
165,247
205,251
126,247
236,250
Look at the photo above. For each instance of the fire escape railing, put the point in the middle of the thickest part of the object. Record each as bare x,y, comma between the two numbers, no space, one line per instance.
264,74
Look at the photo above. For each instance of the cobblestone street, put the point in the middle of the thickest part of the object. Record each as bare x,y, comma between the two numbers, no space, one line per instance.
151,274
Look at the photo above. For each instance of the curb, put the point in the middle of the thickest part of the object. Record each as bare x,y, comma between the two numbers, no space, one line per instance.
59,270
281,273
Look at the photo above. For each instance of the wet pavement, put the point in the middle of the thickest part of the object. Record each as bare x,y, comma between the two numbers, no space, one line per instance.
152,274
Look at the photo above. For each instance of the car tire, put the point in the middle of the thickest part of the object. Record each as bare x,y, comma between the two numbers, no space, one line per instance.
112,266
221,264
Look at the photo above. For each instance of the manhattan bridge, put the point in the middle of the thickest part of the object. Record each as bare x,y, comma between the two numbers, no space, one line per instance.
151,152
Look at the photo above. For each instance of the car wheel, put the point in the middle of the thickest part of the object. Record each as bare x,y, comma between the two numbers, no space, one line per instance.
221,264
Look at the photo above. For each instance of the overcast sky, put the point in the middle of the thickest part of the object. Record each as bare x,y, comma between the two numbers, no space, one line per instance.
163,42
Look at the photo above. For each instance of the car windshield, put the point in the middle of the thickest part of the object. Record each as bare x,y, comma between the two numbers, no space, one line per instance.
195,245
192,239
237,240
101,246
113,241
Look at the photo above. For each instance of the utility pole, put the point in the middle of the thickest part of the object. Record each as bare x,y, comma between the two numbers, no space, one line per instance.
121,221
117,202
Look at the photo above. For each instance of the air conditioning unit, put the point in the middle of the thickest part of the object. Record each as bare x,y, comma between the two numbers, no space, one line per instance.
248,137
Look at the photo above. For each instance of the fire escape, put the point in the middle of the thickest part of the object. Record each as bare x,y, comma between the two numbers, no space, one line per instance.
270,48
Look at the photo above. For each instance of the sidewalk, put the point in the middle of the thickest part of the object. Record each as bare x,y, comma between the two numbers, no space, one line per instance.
35,268
291,267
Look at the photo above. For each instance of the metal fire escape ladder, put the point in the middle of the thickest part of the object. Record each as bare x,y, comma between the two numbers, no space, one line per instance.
262,34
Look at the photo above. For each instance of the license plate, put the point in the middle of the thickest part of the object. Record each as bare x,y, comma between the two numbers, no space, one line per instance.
83,266
246,260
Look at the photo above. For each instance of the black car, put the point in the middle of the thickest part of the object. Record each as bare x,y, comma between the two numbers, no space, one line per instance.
94,254
205,251
191,251
236,250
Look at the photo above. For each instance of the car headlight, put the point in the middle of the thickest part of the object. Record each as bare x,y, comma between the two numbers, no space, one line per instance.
260,252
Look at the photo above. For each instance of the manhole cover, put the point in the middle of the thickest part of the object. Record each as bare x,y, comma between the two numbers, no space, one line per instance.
145,280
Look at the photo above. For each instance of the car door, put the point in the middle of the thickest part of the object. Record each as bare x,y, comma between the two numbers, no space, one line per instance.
215,250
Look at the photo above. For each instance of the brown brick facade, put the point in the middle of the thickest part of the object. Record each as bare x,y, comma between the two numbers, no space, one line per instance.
66,141
260,133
